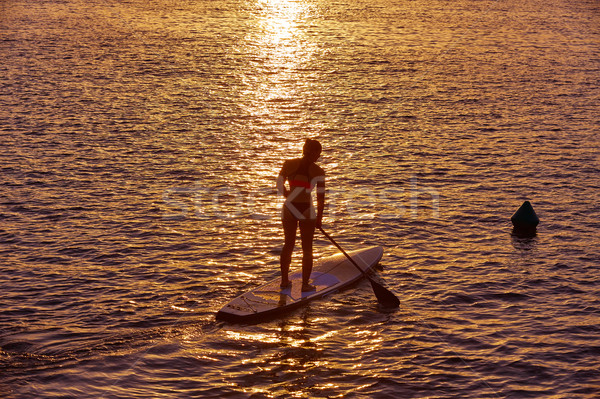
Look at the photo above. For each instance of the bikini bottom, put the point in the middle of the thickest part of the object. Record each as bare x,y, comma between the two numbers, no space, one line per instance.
299,210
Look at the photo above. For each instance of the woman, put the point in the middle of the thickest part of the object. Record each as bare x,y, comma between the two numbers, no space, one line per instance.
302,175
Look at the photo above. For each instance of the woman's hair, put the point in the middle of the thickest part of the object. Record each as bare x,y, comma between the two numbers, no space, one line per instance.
311,145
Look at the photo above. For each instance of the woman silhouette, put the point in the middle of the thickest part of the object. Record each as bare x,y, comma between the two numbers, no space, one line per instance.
302,174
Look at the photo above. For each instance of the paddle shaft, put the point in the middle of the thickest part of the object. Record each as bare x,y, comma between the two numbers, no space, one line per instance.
344,252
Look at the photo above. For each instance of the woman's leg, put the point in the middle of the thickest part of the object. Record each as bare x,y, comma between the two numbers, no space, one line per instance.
289,232
307,232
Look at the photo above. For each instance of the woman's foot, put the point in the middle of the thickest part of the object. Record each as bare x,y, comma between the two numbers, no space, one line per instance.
285,285
308,287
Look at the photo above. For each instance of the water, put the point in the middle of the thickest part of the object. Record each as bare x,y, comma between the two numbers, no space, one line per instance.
140,144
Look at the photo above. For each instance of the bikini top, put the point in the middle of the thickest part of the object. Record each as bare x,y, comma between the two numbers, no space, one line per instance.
301,177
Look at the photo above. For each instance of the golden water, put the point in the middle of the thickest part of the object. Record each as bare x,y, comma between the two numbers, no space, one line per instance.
140,146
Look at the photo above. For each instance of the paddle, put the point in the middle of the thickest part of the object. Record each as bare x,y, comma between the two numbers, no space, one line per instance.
384,296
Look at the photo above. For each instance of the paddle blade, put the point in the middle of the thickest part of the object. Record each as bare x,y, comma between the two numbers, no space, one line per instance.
384,296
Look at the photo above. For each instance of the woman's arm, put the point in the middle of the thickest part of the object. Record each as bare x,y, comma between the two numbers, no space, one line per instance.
281,190
320,199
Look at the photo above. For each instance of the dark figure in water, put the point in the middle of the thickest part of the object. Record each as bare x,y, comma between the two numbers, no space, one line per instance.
302,174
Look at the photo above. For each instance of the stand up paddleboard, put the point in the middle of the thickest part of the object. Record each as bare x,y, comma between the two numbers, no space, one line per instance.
329,275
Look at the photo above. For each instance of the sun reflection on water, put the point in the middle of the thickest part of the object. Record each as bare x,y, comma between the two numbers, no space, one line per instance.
280,20
279,50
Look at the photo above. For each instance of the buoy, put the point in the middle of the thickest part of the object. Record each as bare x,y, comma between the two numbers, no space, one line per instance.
524,219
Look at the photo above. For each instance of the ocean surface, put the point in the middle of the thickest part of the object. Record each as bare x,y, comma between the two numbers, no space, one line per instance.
140,142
